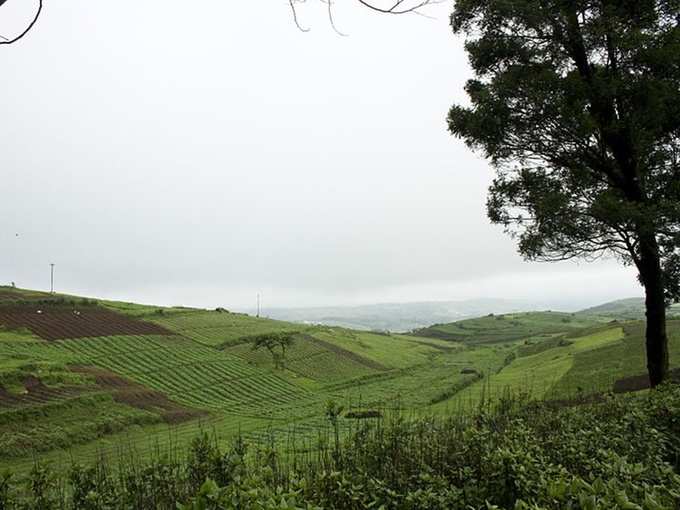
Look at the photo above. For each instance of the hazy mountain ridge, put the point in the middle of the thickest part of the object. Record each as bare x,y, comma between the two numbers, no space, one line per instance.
400,317
628,308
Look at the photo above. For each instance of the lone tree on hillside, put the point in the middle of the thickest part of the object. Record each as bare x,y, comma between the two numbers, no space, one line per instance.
271,341
577,105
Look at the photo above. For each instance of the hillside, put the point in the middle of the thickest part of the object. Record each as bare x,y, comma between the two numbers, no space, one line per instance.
624,309
492,328
91,375
94,377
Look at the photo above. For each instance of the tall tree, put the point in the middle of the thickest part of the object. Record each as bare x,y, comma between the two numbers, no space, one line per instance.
576,103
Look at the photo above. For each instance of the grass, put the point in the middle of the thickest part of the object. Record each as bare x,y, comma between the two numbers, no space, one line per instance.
509,327
536,374
207,365
213,328
392,350
61,423
599,367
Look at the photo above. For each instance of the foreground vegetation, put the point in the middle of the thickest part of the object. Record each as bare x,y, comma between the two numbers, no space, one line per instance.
618,452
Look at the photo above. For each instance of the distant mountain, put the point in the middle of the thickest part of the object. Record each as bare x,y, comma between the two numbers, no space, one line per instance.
398,317
629,308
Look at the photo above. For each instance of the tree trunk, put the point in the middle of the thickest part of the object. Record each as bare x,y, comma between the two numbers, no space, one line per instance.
655,336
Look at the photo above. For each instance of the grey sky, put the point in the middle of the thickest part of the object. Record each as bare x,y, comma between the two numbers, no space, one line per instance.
199,152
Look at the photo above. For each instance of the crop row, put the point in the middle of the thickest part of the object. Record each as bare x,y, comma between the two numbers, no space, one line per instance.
328,367
310,359
215,328
62,322
187,372
183,370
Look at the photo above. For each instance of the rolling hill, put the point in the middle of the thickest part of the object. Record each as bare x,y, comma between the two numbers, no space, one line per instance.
625,309
80,377
493,328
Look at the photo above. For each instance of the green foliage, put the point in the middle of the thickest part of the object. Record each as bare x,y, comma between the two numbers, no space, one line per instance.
621,453
271,341
576,104
6,499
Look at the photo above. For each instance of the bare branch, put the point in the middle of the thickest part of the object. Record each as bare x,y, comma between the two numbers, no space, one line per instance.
295,18
330,17
28,29
398,7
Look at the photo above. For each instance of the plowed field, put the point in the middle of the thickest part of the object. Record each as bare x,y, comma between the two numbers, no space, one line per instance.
54,322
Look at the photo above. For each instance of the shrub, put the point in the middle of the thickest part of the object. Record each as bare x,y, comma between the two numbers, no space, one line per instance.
622,452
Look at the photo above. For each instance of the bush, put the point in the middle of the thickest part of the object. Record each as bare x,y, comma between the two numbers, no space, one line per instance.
622,452
363,414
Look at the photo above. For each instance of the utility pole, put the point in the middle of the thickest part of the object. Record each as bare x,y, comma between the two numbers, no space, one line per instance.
51,278
258,304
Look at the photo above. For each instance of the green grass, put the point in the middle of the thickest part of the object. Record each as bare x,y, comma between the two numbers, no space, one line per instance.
214,328
308,360
391,350
509,327
621,452
61,423
595,370
571,367
208,364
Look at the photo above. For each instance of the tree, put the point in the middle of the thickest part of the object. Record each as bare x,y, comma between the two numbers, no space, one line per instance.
576,103
271,341
284,340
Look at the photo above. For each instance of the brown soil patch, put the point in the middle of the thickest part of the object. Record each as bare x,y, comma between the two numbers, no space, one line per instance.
374,365
35,392
136,395
58,322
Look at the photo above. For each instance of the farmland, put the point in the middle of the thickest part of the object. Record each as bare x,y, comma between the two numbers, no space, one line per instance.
506,328
97,377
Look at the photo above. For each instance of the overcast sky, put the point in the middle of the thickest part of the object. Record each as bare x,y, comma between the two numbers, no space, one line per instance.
201,152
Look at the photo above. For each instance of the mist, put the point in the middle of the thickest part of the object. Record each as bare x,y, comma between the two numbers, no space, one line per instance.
200,155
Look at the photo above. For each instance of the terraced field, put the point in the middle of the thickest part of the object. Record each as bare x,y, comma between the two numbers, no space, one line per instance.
218,328
120,375
312,359
506,328
573,367
57,322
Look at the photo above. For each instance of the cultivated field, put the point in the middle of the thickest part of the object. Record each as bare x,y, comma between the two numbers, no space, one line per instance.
82,378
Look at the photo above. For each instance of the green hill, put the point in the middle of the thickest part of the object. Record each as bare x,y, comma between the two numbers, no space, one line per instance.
80,377
493,329
624,309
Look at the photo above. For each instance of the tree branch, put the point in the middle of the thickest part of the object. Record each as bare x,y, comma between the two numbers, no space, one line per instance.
28,29
397,7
